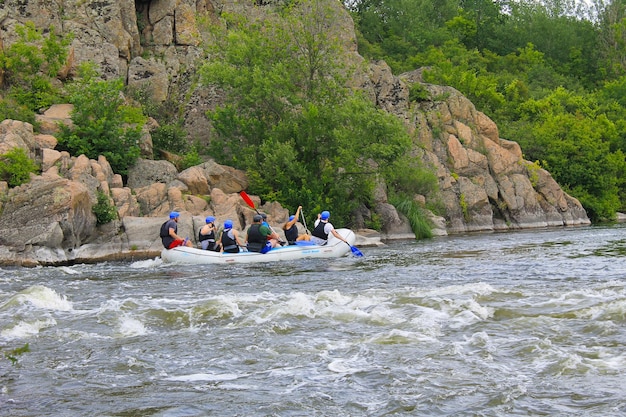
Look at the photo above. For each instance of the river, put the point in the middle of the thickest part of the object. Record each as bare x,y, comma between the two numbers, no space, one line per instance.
499,324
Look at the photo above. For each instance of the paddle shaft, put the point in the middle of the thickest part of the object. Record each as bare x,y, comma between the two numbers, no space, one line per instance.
249,202
304,221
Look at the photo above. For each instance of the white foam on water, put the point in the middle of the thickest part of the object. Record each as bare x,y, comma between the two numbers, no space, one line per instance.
475,288
346,365
204,377
398,337
129,327
44,298
429,321
299,304
68,270
609,362
342,366
148,263
27,329
332,296
467,312
364,307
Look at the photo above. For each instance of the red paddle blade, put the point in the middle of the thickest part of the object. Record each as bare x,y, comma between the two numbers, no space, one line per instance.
247,199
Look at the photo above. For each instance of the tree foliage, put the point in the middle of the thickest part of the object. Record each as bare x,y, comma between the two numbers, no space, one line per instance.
104,210
551,75
31,63
16,167
303,137
103,124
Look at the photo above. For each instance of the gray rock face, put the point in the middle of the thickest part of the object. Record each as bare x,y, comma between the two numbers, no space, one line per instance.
147,172
54,213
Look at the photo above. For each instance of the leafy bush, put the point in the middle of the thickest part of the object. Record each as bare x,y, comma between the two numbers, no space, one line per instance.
288,119
105,212
190,159
419,223
16,167
11,109
30,64
102,123
170,137
418,93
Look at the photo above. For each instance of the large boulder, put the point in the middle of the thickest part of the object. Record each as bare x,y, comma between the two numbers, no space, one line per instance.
48,212
146,172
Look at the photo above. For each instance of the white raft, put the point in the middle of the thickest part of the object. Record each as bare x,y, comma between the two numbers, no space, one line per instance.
333,249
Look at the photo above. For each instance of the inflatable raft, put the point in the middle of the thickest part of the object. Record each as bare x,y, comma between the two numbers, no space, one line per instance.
333,249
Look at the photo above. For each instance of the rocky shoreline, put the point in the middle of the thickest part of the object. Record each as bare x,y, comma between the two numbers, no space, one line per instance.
484,182
50,220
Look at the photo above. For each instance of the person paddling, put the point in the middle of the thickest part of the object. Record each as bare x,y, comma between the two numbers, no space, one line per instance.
206,235
260,238
323,228
271,236
291,229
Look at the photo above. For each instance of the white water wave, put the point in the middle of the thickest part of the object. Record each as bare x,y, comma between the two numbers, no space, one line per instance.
148,263
68,270
40,297
129,327
204,377
397,336
27,329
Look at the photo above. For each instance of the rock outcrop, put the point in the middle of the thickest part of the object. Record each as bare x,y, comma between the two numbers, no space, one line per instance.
155,46
485,182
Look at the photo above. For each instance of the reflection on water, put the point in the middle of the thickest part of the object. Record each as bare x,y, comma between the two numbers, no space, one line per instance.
524,323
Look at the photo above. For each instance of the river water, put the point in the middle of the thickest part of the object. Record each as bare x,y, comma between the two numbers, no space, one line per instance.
500,324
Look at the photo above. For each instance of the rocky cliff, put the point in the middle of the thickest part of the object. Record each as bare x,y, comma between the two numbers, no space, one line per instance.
155,45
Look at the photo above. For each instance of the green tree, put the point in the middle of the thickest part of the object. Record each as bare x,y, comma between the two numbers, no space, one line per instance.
30,64
16,167
103,209
103,124
573,141
290,121
612,36
567,39
401,28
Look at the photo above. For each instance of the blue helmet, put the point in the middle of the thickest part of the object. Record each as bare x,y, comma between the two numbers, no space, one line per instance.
228,224
174,215
325,215
210,219
292,217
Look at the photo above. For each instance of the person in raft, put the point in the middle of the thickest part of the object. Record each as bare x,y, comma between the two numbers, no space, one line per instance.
168,233
273,237
291,229
260,237
206,235
323,228
229,239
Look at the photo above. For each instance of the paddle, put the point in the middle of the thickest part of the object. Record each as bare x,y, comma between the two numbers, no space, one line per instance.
355,251
249,202
306,229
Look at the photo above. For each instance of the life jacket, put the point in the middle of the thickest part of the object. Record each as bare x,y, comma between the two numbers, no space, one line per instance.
228,241
166,239
291,234
256,240
207,241
319,231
